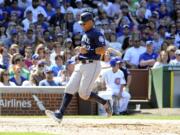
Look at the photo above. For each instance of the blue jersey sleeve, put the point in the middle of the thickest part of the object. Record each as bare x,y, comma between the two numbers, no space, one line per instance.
141,57
100,40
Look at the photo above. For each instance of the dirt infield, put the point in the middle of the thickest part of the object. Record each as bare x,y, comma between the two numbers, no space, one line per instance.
82,126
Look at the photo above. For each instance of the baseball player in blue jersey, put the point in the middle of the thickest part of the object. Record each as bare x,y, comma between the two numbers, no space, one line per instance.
86,72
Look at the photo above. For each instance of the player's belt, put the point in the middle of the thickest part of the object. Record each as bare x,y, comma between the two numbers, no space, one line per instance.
87,61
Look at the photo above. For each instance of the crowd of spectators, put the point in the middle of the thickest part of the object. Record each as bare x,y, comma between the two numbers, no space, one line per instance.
39,39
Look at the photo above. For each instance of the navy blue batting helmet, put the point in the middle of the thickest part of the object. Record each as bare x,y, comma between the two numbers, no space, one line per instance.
85,16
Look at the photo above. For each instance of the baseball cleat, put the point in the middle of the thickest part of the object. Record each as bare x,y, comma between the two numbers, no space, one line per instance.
108,108
57,117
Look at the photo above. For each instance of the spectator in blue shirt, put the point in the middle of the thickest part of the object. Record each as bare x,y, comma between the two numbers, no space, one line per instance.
49,10
55,3
154,5
49,81
163,11
148,58
17,78
42,21
58,66
13,8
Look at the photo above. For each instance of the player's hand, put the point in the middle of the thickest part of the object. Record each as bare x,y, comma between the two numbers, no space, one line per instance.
83,50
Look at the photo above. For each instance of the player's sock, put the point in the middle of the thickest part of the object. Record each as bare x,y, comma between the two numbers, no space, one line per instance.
94,97
65,102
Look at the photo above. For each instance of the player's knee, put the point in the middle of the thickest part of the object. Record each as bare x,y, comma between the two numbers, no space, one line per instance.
69,90
83,96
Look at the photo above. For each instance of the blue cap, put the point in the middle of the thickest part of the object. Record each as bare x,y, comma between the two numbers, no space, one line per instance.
41,62
177,52
50,38
70,61
78,1
120,60
48,69
114,61
13,32
59,35
68,40
149,42
125,26
35,57
168,36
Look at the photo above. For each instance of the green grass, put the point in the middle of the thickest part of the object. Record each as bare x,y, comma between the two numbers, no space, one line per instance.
22,133
139,116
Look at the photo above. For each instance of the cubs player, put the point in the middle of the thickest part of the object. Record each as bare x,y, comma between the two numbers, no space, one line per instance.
115,82
85,72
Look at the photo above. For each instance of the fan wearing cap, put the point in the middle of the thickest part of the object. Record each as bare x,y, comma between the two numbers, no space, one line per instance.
38,71
49,80
132,54
67,72
126,33
169,38
177,60
87,70
68,44
115,82
34,59
79,5
148,58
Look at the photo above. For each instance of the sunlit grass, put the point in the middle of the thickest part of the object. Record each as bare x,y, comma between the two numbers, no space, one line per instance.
22,133
139,116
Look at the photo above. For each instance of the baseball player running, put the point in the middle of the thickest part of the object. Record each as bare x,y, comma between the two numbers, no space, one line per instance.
86,72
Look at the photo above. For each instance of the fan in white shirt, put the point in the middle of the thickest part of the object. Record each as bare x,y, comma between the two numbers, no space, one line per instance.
24,3
36,9
28,20
115,82
132,54
105,5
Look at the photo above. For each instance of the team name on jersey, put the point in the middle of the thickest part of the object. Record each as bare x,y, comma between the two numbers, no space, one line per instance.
86,42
